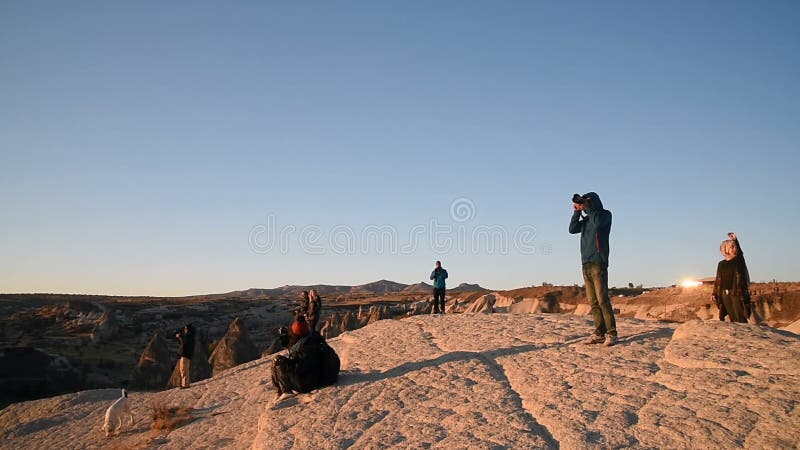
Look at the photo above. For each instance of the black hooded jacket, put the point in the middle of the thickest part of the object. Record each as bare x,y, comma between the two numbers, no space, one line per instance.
733,276
186,340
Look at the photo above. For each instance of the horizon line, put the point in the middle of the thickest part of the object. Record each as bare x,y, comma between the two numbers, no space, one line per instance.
774,281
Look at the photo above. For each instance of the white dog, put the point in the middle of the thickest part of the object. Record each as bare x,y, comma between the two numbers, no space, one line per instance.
115,413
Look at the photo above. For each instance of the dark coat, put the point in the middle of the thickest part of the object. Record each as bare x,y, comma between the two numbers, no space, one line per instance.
186,340
733,273
310,364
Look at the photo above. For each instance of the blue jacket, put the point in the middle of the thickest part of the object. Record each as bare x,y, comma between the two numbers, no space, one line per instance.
438,279
594,228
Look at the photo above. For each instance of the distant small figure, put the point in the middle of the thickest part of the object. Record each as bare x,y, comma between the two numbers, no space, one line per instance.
595,229
304,300
314,309
438,276
185,352
114,414
732,284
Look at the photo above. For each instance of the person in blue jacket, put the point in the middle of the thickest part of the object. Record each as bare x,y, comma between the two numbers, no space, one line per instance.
438,276
593,222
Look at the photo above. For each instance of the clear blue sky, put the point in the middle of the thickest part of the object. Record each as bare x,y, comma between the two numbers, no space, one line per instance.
142,142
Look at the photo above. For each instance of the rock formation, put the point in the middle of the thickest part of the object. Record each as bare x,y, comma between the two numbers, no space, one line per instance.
27,373
154,366
422,307
106,328
483,304
377,313
233,349
335,324
349,322
454,306
331,326
547,302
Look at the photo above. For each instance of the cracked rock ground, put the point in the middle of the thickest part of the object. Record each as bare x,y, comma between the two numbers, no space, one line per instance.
477,381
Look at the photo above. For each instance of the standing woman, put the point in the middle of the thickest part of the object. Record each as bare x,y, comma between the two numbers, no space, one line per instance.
732,285
314,309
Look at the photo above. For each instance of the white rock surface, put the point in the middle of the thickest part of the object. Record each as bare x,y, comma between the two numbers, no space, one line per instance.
477,381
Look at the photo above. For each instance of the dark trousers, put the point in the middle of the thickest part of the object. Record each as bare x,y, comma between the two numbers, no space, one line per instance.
596,278
438,298
312,321
735,308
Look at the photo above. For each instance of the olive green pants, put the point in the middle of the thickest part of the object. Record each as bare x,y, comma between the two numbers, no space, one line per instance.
595,276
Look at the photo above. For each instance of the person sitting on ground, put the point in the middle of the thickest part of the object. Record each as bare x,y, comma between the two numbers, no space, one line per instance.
298,330
289,335
732,284
310,364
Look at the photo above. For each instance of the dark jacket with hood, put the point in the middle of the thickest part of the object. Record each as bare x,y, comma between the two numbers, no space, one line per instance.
594,228
733,276
186,349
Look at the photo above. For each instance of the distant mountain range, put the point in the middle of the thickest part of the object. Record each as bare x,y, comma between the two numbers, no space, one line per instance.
376,288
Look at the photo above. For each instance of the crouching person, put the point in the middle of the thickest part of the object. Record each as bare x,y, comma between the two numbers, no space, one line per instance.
310,364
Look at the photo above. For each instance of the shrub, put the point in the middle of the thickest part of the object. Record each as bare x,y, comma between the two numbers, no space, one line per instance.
170,417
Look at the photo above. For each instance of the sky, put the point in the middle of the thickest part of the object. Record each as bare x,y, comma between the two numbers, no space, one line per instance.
175,148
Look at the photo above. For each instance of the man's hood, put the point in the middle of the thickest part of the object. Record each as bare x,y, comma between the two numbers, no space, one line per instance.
595,204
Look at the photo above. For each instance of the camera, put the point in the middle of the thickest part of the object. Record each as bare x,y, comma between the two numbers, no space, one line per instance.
577,198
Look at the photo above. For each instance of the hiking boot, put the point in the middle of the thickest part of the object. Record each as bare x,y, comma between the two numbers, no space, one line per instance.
610,340
594,339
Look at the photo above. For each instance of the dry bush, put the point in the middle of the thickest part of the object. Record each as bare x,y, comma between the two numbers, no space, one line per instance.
169,417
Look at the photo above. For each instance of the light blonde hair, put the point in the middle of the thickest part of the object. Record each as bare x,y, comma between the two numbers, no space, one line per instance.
728,249
313,294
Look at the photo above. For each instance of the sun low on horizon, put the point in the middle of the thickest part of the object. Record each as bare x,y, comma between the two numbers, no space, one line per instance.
289,144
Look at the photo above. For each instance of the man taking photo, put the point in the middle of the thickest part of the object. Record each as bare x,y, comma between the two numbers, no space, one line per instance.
594,224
